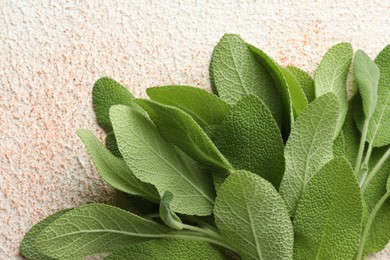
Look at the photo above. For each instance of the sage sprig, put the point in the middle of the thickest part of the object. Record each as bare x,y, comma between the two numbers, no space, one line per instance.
274,164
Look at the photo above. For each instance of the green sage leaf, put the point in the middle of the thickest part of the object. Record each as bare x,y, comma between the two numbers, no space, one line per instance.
305,81
298,97
153,160
251,140
93,229
167,215
309,147
114,170
28,246
235,72
327,222
112,145
331,76
204,107
180,129
252,217
168,249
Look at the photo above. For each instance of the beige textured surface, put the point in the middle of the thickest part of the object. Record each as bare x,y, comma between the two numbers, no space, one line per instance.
53,51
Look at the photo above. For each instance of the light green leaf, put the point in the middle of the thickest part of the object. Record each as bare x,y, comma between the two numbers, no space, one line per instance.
93,229
252,217
28,246
366,73
114,170
327,223
378,130
112,145
250,139
153,160
168,249
373,190
331,76
281,85
309,147
298,97
106,93
305,81
351,136
235,72
204,107
178,127
167,215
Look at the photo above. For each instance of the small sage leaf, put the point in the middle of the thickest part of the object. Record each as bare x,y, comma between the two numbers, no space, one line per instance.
167,215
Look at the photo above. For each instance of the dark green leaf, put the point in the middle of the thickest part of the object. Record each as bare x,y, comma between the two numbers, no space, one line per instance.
112,145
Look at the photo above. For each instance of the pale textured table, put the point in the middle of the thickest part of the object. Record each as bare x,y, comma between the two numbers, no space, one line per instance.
53,51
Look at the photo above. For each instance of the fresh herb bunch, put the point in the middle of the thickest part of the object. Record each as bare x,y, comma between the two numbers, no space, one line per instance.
273,165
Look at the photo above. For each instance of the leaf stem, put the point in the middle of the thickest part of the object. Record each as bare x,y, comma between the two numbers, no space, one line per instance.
368,224
376,168
361,146
202,223
205,231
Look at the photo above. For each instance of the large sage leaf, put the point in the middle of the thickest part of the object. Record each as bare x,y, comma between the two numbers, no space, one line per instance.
180,129
250,139
106,93
204,107
95,228
366,73
168,249
331,76
373,190
114,170
378,130
305,81
253,218
327,222
153,160
28,246
309,147
112,145
235,72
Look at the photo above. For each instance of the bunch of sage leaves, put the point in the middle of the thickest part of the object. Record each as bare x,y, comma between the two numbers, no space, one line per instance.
273,165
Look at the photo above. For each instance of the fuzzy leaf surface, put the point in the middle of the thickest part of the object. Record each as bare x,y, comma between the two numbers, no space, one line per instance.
153,160
251,140
204,107
252,217
93,229
331,76
305,81
235,72
327,223
309,147
180,129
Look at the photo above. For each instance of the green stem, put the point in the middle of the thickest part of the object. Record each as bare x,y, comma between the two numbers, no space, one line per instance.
205,231
202,223
361,146
375,170
368,224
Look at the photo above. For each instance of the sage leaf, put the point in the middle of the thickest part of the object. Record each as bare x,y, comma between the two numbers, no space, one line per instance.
153,160
367,74
378,130
351,136
373,190
281,83
339,145
305,81
235,72
327,222
252,216
106,93
114,170
298,97
28,246
168,249
251,140
180,129
93,229
331,76
112,145
204,107
167,215
309,147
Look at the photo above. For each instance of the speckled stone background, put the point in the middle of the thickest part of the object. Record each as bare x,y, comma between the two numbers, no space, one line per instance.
53,51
